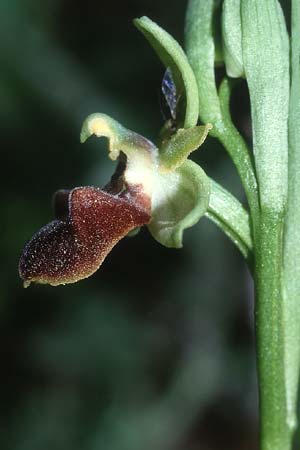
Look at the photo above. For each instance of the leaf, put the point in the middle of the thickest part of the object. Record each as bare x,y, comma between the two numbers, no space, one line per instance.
265,44
200,47
232,38
181,145
172,56
180,199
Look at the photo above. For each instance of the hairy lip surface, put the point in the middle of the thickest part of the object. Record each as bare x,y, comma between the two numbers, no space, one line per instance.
89,223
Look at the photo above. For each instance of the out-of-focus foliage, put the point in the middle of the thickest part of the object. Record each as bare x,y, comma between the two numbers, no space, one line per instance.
155,351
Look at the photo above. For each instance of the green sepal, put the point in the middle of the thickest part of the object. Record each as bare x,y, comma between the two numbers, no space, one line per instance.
172,55
179,201
232,38
176,150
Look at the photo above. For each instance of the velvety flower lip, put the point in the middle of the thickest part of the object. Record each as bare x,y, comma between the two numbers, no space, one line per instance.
89,222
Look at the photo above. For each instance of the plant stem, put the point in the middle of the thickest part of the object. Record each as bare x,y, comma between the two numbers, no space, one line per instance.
275,433
272,185
237,149
292,230
265,47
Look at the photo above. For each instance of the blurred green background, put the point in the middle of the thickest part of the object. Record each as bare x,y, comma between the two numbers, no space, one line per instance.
156,350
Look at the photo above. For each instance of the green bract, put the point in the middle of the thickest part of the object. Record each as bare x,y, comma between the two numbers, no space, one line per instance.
180,195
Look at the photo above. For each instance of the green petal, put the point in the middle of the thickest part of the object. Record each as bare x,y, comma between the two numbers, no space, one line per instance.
142,155
181,145
179,200
173,56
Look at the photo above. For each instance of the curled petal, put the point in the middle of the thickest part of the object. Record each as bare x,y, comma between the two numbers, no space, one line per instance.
176,150
89,223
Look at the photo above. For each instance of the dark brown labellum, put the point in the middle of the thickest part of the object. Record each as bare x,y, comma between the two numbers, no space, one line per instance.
89,222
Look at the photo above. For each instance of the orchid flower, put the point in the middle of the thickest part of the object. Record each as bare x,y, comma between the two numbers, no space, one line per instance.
166,194
153,185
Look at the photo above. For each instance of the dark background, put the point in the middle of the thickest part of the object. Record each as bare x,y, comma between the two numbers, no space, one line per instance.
156,350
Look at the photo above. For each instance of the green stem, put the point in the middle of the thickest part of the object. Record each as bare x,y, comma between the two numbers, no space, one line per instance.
275,433
237,149
228,213
265,47
292,230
